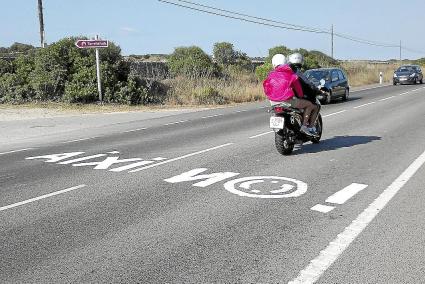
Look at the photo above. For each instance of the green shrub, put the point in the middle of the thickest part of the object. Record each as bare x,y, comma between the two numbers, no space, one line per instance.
191,62
13,90
263,70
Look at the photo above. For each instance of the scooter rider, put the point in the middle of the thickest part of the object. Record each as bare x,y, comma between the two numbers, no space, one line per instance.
296,60
282,84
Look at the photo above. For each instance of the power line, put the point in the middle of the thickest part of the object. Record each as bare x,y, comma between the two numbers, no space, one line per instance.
278,24
243,19
253,17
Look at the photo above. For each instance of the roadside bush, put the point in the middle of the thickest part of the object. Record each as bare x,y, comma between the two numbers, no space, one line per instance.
263,70
191,62
209,96
13,90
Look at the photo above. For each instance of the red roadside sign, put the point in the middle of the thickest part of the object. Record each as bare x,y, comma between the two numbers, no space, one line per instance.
91,43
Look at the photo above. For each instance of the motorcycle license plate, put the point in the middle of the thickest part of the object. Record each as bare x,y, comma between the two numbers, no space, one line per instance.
277,122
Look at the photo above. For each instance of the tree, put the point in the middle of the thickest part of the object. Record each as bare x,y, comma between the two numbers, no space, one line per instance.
191,62
224,54
281,49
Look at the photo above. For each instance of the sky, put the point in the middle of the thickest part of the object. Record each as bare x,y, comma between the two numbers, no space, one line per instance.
152,27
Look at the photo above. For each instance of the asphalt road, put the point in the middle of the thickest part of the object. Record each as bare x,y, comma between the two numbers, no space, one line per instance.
204,197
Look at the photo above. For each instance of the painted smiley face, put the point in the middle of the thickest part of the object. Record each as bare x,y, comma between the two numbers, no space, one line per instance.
266,187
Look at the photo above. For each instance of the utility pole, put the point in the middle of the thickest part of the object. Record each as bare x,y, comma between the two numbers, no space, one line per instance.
332,41
99,85
40,17
400,53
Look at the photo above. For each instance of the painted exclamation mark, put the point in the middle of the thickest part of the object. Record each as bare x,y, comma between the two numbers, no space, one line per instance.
340,197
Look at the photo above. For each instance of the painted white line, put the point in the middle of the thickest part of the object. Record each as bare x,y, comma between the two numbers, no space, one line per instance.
371,103
182,157
176,122
405,93
41,197
338,112
77,140
262,134
322,208
387,98
335,248
16,151
134,130
346,193
210,116
369,88
244,110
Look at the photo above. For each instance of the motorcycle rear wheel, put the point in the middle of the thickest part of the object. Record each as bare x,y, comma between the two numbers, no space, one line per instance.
319,128
283,146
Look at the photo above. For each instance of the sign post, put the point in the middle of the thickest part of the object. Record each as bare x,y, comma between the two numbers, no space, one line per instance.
97,43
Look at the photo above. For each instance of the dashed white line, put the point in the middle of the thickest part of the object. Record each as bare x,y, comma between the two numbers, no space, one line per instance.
210,116
365,105
78,140
346,193
16,151
384,99
322,208
41,197
176,122
338,112
330,254
134,130
262,134
182,157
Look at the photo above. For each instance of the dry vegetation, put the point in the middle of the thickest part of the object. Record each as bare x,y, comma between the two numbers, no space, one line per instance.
362,73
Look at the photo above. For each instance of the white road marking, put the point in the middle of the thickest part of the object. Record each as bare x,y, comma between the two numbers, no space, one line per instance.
131,166
105,164
196,174
134,130
330,254
322,208
384,99
113,152
262,134
16,151
77,140
53,158
41,197
346,193
182,157
80,159
210,116
369,88
365,105
338,112
176,122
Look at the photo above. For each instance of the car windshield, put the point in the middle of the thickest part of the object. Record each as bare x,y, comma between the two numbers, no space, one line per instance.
317,75
405,69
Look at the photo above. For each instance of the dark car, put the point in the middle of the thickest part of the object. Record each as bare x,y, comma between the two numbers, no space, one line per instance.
408,74
336,83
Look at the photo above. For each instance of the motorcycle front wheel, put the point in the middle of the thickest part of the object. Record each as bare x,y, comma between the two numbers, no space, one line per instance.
283,146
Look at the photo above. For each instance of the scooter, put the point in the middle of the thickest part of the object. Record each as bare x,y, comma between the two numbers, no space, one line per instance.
286,122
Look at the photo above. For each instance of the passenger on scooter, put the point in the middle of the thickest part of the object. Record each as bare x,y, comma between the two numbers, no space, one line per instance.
310,91
282,85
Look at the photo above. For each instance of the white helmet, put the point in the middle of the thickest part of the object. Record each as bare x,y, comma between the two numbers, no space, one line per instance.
278,59
296,59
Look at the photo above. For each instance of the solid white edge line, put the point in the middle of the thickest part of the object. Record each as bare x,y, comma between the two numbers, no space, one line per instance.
338,112
16,151
180,158
262,134
365,105
330,254
361,90
41,197
384,99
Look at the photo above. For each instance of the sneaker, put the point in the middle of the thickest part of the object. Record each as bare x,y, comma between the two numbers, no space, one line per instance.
304,129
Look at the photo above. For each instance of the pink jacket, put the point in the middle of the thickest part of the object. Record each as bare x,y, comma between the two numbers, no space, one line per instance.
281,84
